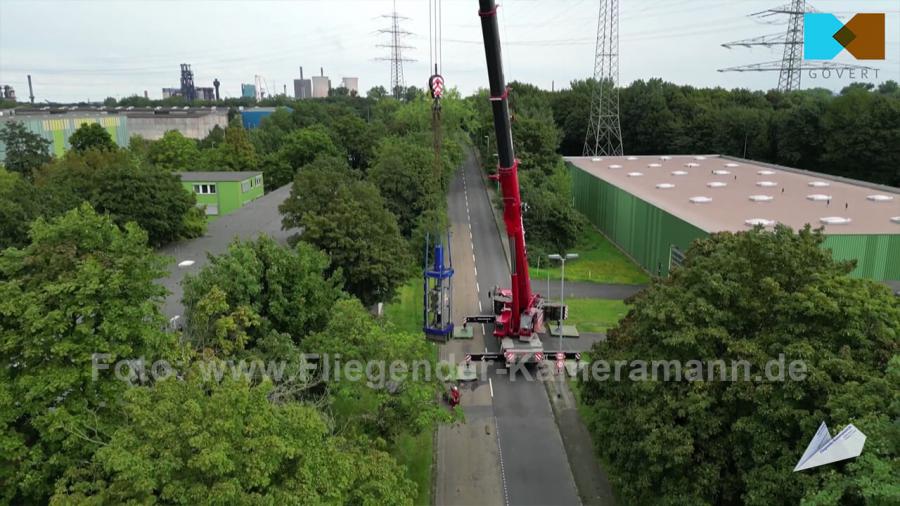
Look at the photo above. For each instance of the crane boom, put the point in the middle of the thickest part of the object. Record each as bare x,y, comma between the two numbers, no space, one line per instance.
523,315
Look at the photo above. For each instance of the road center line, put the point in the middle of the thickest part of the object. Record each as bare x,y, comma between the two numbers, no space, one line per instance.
491,384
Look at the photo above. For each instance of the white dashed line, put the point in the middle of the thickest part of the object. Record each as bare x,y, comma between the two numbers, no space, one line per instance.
491,384
502,469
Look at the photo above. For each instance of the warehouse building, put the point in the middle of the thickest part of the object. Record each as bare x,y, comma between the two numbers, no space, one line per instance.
58,124
223,192
653,207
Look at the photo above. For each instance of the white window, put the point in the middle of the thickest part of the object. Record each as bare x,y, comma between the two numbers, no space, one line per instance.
245,186
205,189
258,180
212,210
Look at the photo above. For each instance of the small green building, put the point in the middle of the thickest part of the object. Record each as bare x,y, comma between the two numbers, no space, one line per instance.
223,192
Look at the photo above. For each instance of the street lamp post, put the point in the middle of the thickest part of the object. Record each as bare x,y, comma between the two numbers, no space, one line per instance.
562,287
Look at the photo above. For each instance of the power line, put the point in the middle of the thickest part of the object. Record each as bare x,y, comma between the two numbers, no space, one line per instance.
792,64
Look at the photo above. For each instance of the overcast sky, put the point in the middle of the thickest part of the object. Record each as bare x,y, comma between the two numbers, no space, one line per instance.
91,49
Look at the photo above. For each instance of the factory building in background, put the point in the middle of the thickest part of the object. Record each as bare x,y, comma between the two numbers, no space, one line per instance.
302,87
321,85
248,90
57,125
352,84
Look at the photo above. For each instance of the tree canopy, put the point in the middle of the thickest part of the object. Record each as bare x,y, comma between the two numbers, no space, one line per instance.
276,289
347,218
92,136
118,184
755,296
82,286
18,207
25,150
195,441
174,152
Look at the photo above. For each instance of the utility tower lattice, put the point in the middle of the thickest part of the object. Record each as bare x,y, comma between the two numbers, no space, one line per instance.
792,59
604,135
396,46
792,63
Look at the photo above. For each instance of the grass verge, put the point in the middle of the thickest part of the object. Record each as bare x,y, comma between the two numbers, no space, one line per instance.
414,451
406,311
595,315
599,261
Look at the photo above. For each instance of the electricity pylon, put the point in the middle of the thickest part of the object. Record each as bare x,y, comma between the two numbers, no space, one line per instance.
604,134
396,47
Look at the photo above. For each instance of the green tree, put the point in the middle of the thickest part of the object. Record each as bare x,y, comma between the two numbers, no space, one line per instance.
388,404
302,146
174,152
115,183
346,218
236,152
196,441
753,296
215,137
862,136
19,205
25,150
83,286
92,136
377,93
276,288
404,173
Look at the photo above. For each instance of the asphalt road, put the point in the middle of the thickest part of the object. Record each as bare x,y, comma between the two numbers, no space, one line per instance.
535,468
260,217
581,290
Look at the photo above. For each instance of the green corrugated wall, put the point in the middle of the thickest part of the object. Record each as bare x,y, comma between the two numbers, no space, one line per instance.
646,233
877,256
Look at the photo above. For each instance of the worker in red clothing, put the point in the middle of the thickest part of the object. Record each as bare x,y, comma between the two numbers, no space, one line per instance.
454,396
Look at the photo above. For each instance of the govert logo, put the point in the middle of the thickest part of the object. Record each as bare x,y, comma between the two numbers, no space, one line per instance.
824,36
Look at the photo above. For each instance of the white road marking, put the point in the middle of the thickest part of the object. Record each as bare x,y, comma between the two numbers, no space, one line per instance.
491,384
479,309
477,288
502,469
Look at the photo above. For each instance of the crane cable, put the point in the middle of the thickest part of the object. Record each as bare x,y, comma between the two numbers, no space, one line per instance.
436,84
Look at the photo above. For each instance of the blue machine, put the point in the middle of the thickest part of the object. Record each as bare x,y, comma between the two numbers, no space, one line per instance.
437,314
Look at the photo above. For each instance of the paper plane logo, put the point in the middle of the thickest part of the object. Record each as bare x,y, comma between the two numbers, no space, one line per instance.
824,36
824,449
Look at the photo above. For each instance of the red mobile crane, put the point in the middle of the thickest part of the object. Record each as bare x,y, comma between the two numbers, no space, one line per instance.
518,313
